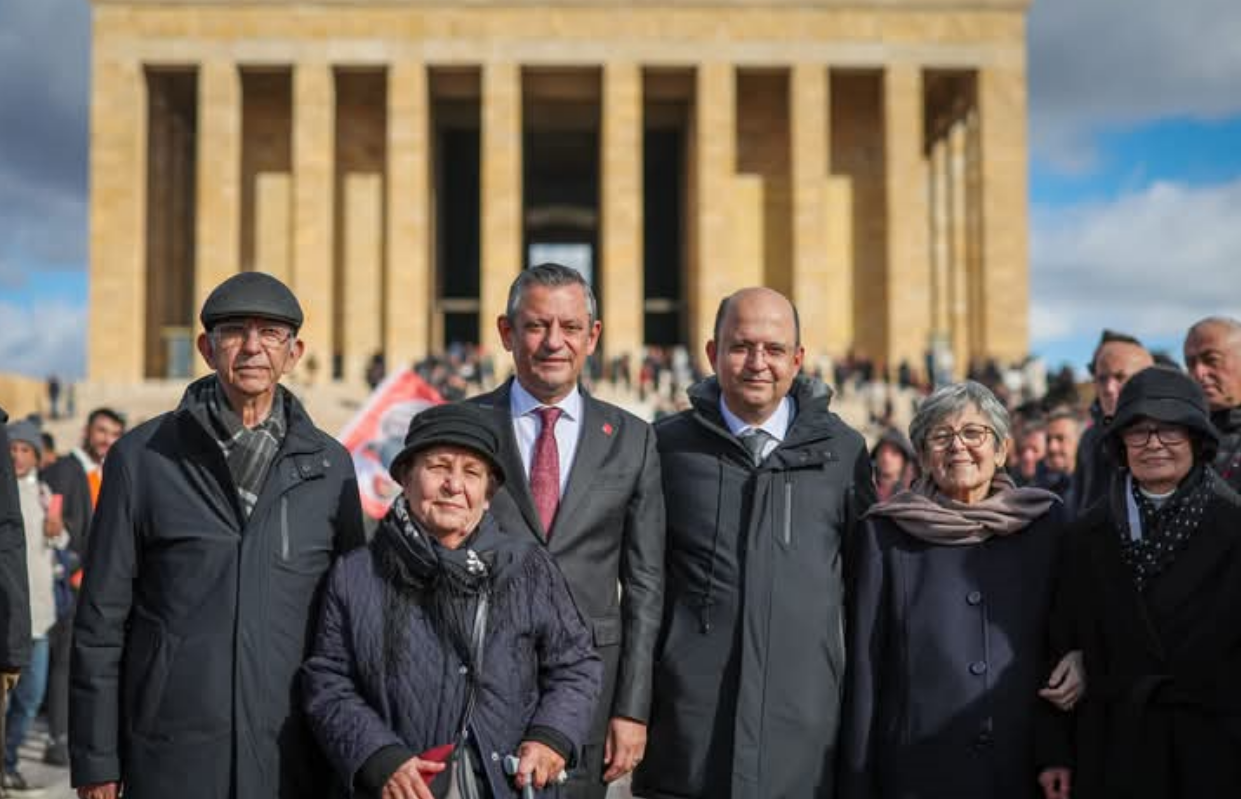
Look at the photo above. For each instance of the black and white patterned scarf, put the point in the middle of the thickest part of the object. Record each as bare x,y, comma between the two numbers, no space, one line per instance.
1162,531
249,452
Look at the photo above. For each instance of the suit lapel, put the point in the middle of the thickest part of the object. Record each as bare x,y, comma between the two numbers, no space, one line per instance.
517,484
592,445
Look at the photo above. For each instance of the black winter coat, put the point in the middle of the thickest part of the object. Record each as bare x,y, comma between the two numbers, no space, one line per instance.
749,670
193,621
1162,715
14,588
1092,476
539,670
1228,459
948,647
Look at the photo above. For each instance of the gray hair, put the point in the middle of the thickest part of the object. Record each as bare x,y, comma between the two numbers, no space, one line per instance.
552,276
951,400
1233,326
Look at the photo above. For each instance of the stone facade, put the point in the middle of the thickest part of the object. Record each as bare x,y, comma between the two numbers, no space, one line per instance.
867,157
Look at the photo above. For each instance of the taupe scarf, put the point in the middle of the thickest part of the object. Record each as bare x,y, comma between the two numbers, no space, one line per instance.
925,513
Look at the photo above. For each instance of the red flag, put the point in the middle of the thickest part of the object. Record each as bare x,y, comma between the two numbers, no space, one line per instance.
377,434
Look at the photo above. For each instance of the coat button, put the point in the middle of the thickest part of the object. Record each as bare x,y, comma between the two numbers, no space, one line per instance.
978,667
463,670
495,756
974,597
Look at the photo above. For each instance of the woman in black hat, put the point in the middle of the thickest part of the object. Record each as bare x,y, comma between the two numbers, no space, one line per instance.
1157,586
446,631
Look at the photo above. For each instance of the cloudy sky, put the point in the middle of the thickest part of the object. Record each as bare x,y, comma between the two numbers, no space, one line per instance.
1135,119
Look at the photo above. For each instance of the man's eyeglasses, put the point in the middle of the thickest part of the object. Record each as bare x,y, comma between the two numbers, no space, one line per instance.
972,436
230,334
1140,435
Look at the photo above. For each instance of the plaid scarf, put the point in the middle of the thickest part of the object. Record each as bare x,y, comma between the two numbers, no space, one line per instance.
249,452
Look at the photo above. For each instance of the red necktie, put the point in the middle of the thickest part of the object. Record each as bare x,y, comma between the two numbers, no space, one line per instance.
545,469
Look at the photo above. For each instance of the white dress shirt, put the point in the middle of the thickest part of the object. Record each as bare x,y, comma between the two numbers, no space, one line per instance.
527,425
776,426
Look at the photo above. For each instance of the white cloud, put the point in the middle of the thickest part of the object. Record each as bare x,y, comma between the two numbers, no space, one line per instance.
1149,262
1101,64
42,338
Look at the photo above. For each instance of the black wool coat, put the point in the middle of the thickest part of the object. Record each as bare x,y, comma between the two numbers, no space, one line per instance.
750,664
948,646
193,620
14,588
1162,716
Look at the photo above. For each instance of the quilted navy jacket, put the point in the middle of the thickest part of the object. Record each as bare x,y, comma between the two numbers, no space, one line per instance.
539,669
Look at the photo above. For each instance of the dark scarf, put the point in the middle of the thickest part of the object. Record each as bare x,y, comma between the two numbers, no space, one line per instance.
249,452
427,578
1165,530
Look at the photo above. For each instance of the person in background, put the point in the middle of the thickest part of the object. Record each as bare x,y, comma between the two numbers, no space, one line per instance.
896,464
1117,358
1213,358
1063,435
44,532
14,584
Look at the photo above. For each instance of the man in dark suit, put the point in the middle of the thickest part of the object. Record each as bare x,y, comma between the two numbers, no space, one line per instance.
584,480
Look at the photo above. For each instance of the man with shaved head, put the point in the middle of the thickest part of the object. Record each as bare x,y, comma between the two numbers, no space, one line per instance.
1213,357
763,486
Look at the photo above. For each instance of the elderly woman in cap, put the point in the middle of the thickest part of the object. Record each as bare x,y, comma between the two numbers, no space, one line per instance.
1156,570
948,630
447,631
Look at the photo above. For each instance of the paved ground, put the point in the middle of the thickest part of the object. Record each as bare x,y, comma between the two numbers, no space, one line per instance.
56,780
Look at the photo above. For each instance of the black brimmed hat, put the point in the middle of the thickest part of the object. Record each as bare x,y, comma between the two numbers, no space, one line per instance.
1165,395
252,294
457,424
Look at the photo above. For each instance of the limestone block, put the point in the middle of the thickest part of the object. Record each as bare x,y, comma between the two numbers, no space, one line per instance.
273,207
362,271
908,304
713,271
407,279
217,241
314,113
502,256
1005,231
118,167
621,200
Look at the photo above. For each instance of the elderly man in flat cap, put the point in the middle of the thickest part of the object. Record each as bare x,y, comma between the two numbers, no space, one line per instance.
216,525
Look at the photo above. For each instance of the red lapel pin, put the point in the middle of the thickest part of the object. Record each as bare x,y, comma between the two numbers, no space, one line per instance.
607,429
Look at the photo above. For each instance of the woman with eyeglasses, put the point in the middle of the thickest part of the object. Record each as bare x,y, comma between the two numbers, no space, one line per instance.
948,636
1156,570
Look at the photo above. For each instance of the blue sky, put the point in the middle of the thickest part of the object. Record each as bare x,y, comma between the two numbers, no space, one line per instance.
1135,174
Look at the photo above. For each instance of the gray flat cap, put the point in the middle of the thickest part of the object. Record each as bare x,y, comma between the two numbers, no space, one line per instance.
252,294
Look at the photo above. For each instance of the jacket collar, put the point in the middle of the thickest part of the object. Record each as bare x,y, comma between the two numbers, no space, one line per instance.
812,421
1228,420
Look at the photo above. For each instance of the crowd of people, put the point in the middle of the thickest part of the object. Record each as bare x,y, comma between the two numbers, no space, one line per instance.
1015,596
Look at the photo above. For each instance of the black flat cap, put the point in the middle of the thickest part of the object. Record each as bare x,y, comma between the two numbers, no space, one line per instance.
252,294
1165,395
457,424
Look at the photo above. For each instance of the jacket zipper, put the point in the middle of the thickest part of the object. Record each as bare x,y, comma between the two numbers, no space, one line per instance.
284,529
788,509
